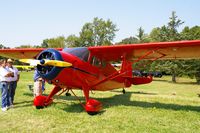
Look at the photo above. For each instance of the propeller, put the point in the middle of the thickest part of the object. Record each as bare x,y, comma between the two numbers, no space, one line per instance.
46,62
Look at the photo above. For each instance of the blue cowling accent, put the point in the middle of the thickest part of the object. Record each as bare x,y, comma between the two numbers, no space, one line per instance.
49,72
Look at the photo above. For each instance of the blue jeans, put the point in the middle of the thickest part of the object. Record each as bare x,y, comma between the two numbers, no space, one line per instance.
11,90
4,94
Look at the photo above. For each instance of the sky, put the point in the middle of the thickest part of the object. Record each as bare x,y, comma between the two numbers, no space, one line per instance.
29,22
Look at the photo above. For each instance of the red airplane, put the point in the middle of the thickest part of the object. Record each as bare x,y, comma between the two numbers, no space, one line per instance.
90,69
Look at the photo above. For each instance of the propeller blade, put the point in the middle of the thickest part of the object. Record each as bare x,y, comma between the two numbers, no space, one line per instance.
32,62
45,62
56,63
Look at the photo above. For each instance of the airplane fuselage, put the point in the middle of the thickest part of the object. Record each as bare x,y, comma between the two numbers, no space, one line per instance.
89,72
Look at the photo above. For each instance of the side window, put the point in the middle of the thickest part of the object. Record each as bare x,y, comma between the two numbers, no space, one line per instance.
97,62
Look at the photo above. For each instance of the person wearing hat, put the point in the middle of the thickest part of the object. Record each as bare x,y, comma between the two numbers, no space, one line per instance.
12,80
4,83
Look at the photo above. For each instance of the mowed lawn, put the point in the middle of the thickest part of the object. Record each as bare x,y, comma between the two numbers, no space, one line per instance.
157,107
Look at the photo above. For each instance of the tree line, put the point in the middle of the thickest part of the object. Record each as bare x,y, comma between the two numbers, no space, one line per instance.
102,32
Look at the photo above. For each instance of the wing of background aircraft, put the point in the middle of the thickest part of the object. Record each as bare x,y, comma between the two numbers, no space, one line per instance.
157,50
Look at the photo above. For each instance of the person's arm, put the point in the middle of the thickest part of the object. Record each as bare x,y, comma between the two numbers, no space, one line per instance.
18,77
9,74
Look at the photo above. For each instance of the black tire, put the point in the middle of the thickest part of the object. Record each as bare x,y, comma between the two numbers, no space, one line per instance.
39,107
67,94
92,113
123,91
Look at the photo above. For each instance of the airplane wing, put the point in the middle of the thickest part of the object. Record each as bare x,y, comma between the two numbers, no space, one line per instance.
21,53
149,51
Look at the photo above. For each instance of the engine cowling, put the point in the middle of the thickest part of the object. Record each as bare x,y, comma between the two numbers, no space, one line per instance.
49,72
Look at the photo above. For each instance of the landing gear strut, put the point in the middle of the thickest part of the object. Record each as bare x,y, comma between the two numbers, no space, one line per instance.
43,101
92,106
123,91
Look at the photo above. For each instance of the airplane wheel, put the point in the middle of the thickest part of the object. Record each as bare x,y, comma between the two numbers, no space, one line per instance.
67,94
92,113
93,106
39,107
40,102
123,91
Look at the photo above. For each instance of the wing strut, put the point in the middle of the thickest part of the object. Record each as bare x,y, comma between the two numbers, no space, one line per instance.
126,69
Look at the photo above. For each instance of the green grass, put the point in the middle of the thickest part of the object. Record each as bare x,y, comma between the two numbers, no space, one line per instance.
157,107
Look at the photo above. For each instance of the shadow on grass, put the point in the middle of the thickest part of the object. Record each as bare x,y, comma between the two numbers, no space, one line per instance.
23,104
31,94
117,100
137,92
124,99
28,94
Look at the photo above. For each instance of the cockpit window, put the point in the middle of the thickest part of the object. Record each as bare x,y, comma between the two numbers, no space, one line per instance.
97,62
80,52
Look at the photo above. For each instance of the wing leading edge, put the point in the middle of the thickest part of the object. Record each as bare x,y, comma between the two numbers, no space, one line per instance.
165,50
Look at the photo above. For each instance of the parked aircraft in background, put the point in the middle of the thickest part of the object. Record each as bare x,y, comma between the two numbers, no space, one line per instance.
24,67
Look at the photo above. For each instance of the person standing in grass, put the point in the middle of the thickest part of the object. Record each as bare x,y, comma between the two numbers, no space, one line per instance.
39,84
4,82
13,80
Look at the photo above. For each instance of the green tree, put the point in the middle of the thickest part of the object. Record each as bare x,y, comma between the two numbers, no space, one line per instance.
25,46
3,47
97,33
173,25
129,40
142,37
160,34
73,41
190,33
58,42
192,66
169,33
45,43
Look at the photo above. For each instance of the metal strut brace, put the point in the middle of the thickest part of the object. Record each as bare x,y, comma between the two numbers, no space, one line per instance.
105,79
78,99
148,53
151,60
118,73
63,90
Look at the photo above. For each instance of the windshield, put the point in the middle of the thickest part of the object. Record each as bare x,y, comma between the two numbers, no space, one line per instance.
80,52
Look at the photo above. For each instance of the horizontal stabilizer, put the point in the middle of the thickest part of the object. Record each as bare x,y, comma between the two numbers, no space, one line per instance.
141,80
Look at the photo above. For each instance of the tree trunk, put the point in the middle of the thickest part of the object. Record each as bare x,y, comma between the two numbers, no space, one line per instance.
174,77
197,76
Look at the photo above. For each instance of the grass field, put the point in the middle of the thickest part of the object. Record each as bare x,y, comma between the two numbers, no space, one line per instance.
157,107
